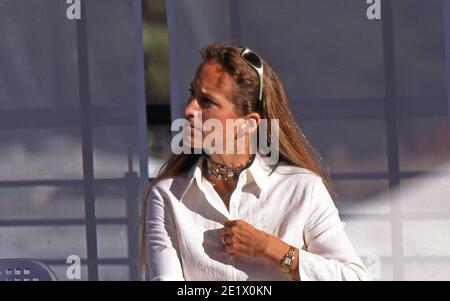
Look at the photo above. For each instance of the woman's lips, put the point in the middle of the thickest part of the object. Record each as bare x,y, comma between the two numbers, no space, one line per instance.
193,127
194,130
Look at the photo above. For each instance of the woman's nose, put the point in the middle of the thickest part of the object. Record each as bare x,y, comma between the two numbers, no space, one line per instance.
190,108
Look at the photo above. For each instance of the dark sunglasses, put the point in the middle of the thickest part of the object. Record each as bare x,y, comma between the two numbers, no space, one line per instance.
254,60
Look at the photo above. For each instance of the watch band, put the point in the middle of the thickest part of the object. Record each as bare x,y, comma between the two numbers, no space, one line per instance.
287,261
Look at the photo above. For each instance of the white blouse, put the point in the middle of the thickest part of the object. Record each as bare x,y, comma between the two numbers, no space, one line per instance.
185,213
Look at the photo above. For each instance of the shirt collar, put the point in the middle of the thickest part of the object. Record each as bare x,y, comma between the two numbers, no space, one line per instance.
258,171
195,173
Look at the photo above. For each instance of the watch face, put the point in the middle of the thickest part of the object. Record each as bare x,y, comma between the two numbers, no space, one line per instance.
288,261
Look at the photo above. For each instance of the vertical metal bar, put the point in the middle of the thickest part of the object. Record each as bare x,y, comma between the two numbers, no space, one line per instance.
235,22
132,196
175,96
446,7
392,133
136,190
86,144
141,101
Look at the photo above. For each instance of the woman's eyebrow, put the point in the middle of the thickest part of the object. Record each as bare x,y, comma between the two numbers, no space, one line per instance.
204,93
208,95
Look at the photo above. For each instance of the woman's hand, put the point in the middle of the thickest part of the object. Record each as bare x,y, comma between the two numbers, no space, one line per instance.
241,238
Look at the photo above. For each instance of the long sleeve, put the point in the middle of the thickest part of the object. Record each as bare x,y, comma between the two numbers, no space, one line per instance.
160,239
329,255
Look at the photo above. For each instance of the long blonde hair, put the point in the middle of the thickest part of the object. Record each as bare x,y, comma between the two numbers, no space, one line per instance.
294,148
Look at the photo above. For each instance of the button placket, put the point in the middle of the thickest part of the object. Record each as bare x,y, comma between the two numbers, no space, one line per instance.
234,199
233,209
234,214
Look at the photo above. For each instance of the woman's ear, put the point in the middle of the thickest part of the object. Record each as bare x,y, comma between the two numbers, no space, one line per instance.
251,123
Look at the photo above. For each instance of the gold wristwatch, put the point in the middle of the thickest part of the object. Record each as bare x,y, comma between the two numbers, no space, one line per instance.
287,262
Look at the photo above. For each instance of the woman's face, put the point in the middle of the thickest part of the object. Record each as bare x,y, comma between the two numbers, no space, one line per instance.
211,92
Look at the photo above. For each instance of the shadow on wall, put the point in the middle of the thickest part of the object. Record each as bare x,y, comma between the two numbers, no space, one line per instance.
404,234
46,135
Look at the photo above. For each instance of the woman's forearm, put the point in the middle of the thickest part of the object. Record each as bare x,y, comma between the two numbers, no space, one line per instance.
276,248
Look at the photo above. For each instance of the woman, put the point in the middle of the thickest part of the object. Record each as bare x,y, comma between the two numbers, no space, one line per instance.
239,216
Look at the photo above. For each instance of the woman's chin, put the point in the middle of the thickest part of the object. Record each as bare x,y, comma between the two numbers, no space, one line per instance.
192,143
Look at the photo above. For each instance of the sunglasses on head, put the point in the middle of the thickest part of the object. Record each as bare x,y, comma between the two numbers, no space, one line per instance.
254,60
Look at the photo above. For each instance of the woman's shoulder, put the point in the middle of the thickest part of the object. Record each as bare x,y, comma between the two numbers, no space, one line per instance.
163,184
286,176
175,184
286,169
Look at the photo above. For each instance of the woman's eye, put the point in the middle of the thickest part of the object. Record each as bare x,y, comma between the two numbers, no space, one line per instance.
206,102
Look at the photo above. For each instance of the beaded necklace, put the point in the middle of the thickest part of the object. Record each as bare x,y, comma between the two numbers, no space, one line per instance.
223,172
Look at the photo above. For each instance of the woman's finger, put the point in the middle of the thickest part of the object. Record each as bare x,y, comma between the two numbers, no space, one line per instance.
227,231
229,223
227,240
224,242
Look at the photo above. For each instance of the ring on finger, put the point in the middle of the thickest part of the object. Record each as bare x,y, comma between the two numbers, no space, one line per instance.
224,240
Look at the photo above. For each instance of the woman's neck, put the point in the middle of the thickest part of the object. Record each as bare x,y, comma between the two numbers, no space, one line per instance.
230,160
